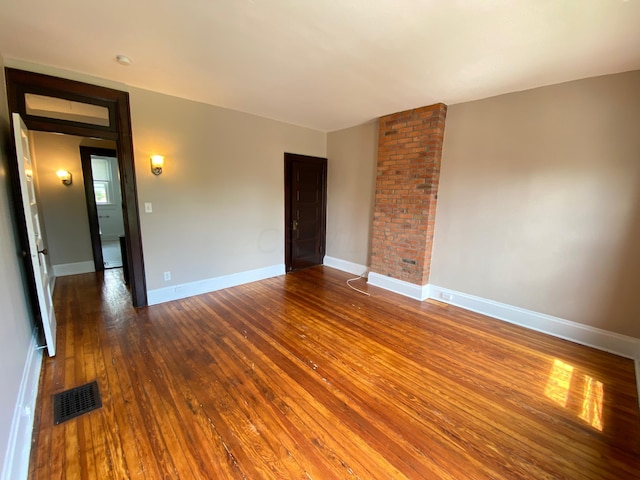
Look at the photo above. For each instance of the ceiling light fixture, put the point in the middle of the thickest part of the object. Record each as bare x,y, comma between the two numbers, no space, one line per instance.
123,60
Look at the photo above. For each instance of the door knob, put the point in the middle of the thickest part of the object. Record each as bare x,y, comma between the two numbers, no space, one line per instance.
295,225
44,251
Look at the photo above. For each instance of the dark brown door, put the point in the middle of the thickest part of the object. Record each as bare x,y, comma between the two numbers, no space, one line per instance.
305,210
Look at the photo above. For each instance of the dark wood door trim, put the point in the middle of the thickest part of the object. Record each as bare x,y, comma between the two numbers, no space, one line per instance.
289,158
20,82
92,208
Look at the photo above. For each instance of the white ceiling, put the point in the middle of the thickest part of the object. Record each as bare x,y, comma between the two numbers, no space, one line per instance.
327,64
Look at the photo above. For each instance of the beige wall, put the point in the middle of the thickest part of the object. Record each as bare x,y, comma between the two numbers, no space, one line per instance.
15,324
64,209
218,208
352,158
539,202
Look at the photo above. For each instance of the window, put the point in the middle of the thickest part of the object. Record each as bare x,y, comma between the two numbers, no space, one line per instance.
102,188
62,109
101,192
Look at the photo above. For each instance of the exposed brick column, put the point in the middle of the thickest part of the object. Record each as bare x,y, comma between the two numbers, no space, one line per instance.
409,155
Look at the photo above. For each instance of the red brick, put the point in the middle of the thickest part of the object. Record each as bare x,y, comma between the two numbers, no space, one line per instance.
409,155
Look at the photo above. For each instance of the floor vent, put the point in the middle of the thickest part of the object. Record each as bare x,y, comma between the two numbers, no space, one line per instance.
73,403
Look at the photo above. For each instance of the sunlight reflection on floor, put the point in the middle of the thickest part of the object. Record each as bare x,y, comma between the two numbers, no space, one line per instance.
580,392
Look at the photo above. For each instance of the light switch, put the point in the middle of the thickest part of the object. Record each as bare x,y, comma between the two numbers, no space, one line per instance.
147,207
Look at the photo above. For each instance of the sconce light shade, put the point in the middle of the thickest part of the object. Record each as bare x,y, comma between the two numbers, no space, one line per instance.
64,176
157,162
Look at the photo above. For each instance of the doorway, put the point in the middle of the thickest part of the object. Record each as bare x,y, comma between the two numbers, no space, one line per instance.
104,205
305,210
104,114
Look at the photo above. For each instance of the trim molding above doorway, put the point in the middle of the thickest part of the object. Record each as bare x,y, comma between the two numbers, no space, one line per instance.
116,126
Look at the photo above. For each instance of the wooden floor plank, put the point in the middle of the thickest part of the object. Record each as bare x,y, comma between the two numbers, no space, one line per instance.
301,377
323,392
286,371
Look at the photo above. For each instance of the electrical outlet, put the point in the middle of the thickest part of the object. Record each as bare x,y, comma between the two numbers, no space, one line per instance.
148,208
167,276
446,296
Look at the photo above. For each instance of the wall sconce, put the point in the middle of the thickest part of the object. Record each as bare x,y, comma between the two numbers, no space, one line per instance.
157,162
64,176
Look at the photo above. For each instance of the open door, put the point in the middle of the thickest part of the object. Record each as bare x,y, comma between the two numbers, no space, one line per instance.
37,248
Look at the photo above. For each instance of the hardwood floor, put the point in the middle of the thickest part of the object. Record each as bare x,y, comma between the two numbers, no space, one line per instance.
301,377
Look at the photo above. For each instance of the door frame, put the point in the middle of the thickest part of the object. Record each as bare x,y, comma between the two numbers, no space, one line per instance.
92,208
289,158
20,82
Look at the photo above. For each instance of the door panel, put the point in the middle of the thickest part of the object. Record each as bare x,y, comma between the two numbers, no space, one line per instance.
37,249
305,214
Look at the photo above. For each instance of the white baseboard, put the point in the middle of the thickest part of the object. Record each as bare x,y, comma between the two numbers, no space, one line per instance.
185,290
346,266
612,342
407,289
16,461
73,268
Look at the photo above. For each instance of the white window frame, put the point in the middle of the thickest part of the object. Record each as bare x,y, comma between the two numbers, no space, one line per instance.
106,184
